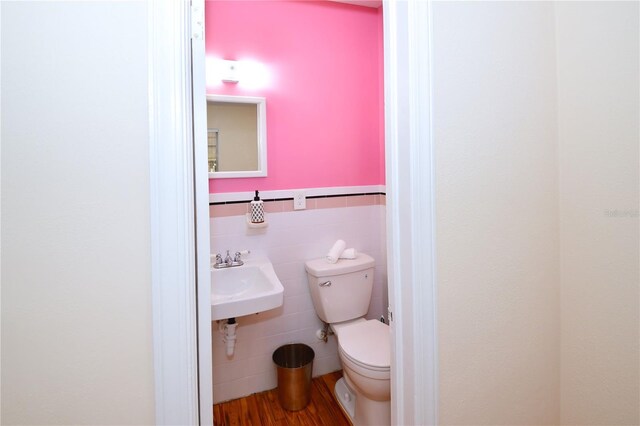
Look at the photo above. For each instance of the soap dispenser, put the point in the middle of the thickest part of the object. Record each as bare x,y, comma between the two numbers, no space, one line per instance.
257,210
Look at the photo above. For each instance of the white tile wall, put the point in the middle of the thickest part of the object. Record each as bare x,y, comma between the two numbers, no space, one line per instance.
290,240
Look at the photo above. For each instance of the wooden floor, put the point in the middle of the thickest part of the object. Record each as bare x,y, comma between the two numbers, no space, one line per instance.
264,409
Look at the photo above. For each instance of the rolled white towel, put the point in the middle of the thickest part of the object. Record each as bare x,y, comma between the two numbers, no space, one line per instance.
349,253
336,251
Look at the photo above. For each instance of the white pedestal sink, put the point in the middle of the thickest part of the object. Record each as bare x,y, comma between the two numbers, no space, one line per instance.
245,290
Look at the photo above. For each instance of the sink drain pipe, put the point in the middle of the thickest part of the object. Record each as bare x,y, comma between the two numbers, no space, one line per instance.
229,331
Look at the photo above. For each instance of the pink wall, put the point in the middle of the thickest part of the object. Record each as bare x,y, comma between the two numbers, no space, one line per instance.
382,176
324,94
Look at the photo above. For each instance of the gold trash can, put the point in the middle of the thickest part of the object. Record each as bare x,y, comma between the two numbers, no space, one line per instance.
294,363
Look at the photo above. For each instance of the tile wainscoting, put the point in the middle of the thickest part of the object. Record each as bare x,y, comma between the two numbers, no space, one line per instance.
291,238
281,205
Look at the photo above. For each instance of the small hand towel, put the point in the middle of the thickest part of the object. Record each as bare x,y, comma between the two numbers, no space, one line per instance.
349,253
336,251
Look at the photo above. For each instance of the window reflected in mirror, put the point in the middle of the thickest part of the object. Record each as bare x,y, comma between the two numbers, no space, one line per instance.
212,146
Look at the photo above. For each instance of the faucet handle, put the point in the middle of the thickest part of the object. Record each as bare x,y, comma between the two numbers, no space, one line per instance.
239,255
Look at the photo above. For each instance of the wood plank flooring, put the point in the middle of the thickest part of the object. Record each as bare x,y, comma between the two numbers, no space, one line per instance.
263,409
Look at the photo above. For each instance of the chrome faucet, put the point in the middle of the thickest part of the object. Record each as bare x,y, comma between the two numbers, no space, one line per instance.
228,261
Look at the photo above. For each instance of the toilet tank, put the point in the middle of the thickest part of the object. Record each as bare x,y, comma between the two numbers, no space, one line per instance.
341,291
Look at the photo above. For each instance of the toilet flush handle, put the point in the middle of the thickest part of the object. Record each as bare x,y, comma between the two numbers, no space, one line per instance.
325,284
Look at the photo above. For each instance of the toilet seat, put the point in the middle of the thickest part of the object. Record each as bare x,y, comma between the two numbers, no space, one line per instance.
362,365
366,344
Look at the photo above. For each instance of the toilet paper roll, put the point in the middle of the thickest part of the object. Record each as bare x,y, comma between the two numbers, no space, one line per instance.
349,253
336,251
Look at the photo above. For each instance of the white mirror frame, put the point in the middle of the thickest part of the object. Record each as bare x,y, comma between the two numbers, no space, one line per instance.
262,135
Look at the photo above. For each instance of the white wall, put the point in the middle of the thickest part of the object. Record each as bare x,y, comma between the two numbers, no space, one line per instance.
537,128
76,312
598,109
291,239
496,212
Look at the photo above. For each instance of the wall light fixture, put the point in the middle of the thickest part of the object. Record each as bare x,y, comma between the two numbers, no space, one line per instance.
247,73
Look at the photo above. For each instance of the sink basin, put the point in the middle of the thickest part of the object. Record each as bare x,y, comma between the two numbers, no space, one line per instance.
245,290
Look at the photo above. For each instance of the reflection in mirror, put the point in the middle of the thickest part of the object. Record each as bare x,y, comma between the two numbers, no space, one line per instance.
237,123
236,142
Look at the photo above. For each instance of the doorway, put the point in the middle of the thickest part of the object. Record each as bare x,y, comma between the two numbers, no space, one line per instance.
180,385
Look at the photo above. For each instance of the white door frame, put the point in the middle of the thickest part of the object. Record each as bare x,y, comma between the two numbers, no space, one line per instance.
179,218
410,211
201,158
183,379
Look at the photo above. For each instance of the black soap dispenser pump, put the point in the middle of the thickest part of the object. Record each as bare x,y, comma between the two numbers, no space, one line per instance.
257,210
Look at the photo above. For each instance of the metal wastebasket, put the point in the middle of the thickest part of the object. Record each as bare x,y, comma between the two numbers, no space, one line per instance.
294,363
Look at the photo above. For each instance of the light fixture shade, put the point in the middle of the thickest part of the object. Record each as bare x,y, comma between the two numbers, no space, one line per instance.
249,73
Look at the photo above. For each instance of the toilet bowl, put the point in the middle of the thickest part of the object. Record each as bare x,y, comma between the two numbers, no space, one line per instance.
364,351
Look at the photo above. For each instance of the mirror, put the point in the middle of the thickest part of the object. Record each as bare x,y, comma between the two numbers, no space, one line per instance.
236,136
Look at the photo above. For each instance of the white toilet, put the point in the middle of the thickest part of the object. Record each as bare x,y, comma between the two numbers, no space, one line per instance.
341,293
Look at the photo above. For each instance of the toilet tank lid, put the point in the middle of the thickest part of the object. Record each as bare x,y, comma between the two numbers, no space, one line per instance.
322,268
